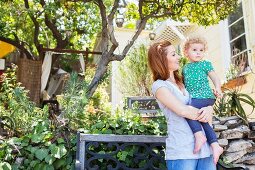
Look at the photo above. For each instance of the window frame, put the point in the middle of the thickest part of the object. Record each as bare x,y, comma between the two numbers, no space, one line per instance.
245,34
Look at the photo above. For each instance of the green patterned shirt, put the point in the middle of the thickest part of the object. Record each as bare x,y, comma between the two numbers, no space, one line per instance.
196,79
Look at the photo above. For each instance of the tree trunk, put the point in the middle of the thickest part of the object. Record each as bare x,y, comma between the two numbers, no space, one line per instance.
101,70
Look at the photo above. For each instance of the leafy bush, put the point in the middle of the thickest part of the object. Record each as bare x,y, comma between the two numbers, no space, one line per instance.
135,77
125,122
49,142
15,103
42,148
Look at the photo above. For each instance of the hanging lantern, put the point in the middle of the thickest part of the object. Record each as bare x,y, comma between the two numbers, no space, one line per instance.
119,21
152,36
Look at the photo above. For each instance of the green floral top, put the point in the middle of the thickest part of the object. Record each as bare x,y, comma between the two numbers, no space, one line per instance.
196,79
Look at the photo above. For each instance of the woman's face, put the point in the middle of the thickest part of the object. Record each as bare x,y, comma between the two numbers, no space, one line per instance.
172,58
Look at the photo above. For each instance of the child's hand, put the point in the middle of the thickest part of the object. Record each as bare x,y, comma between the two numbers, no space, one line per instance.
218,93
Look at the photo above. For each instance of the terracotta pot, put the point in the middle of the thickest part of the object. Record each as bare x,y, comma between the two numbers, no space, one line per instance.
234,82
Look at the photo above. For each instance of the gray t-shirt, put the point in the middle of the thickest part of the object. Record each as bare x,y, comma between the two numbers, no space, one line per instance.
180,141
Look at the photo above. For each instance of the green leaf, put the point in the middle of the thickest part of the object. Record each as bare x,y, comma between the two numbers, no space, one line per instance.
247,101
49,167
36,138
123,155
49,159
34,163
59,163
58,151
5,166
247,96
141,129
41,153
60,140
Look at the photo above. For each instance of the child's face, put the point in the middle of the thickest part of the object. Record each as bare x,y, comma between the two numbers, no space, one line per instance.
195,52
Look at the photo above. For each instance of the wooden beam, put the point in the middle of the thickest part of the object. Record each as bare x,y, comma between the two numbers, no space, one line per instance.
70,51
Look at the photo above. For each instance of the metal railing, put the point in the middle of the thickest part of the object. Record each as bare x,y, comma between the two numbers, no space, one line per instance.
148,152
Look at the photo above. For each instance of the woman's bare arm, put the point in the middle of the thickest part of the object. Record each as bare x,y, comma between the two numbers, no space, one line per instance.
170,101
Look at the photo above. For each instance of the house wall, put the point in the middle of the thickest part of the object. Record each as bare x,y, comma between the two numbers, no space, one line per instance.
219,49
217,37
212,35
123,36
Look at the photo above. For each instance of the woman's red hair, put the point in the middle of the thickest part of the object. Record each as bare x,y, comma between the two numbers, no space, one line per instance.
157,58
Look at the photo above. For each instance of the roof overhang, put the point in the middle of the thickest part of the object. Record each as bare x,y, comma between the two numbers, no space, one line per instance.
173,31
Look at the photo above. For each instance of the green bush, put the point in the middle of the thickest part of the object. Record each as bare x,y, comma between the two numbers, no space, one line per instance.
49,142
42,148
134,74
15,104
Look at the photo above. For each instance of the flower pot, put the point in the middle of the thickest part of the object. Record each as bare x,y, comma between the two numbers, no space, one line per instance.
238,81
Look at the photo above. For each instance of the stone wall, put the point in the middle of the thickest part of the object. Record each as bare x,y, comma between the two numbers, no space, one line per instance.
237,139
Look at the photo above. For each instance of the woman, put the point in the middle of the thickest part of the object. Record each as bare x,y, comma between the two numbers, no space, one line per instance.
173,98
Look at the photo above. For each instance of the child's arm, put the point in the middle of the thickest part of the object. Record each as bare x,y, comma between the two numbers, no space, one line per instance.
216,81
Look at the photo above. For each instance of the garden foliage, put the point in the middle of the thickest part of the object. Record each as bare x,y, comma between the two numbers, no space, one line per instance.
134,74
42,140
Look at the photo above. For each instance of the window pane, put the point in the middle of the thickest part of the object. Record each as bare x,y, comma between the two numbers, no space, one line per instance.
236,29
241,61
237,14
238,45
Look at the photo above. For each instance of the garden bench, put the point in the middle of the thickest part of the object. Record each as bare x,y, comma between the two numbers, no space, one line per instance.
147,106
152,152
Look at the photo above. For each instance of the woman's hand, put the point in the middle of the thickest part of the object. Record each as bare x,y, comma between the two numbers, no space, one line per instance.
205,114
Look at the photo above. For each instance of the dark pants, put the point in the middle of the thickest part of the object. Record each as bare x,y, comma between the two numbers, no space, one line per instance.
196,125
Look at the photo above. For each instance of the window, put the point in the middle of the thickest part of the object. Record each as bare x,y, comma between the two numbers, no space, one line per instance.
237,36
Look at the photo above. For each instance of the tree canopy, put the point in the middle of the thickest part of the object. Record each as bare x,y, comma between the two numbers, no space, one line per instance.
31,25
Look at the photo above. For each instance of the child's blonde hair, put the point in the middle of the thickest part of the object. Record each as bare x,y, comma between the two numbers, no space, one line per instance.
194,40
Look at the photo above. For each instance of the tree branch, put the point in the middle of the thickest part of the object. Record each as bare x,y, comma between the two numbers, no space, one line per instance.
101,70
85,1
56,34
104,33
110,24
36,29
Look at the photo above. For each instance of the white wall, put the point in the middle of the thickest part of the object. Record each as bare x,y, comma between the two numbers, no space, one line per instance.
123,36
219,50
215,53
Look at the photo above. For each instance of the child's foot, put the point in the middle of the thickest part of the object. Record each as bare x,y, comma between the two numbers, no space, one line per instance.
217,151
200,139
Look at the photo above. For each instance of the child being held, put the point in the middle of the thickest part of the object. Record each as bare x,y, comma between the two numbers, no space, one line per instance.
196,74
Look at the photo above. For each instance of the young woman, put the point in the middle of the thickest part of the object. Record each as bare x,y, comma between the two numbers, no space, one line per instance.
173,98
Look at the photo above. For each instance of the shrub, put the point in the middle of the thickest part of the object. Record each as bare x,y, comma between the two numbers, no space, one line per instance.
15,103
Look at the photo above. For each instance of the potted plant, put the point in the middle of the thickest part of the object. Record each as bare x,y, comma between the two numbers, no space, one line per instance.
232,104
234,78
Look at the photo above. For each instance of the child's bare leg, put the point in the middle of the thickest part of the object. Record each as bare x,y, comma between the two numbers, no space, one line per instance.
200,139
217,151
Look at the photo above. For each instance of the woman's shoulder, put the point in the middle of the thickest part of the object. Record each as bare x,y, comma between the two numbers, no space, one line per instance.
160,83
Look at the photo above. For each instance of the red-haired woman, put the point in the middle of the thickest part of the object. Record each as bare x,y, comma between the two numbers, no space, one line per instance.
173,100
